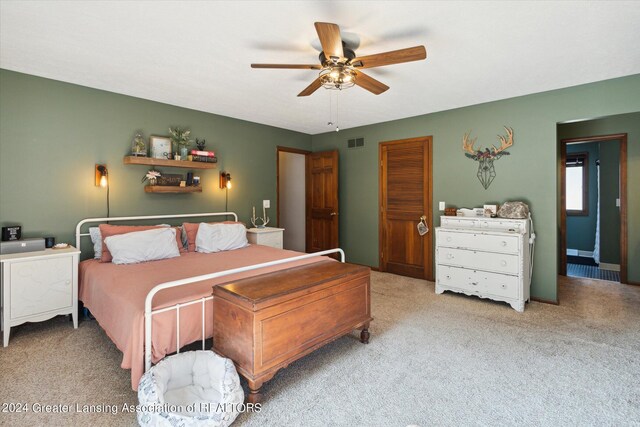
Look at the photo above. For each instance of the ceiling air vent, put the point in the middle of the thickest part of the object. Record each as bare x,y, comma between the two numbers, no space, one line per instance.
355,143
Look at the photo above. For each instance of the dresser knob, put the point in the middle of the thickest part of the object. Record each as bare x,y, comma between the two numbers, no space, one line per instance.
448,277
68,282
448,239
449,256
503,286
503,263
504,243
474,283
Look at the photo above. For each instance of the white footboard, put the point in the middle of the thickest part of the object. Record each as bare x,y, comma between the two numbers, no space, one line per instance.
149,312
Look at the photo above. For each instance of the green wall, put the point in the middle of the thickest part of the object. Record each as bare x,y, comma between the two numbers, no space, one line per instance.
609,192
52,134
529,174
581,229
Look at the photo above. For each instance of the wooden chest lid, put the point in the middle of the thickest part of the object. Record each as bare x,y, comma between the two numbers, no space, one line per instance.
262,289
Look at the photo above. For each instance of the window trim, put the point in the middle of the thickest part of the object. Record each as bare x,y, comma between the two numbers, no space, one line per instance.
585,183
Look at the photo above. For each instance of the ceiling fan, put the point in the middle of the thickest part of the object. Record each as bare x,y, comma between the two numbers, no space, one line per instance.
340,67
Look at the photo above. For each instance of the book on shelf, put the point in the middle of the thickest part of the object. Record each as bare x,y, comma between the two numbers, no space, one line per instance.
204,159
203,153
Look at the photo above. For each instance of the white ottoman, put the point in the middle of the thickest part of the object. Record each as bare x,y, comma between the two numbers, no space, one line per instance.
191,388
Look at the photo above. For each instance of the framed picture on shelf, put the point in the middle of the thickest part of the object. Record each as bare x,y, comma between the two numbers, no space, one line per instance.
160,146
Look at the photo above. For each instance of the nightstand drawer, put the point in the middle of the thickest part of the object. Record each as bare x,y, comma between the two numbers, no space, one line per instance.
39,286
267,236
270,239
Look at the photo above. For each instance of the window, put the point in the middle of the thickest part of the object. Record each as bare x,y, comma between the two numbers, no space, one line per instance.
577,184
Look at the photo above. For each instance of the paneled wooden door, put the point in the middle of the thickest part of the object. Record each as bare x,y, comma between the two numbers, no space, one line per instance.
405,195
322,201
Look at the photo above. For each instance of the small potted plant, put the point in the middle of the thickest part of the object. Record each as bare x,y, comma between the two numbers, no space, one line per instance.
139,146
152,177
180,137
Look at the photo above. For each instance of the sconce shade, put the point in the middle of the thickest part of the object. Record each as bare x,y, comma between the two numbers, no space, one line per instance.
225,180
101,176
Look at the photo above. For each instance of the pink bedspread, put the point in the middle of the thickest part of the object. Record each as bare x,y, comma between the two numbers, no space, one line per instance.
115,295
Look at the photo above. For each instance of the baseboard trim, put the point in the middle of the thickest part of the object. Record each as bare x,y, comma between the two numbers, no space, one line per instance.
545,301
632,283
610,267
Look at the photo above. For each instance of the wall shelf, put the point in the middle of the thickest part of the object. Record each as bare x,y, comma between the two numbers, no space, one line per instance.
171,189
150,161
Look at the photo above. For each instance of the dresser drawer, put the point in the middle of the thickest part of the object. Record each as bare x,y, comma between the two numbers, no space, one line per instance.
479,260
483,242
480,282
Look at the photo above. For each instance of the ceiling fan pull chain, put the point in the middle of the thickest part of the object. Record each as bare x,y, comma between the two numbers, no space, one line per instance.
337,111
330,123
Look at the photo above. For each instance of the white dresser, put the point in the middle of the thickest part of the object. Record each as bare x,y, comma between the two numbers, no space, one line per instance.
38,286
485,257
268,236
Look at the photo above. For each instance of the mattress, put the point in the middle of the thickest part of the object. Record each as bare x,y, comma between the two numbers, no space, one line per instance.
115,295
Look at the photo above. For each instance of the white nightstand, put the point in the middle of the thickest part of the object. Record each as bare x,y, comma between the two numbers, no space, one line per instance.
37,286
268,236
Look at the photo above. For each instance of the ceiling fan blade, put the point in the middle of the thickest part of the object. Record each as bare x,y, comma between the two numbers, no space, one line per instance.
409,54
330,39
369,83
314,86
289,66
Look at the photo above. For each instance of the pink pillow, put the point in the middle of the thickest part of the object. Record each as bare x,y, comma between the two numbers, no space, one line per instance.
192,231
107,230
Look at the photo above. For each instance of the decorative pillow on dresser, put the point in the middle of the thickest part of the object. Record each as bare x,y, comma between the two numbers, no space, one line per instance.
142,246
220,237
107,230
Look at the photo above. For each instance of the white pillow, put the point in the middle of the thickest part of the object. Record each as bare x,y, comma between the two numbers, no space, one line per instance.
220,237
96,239
142,246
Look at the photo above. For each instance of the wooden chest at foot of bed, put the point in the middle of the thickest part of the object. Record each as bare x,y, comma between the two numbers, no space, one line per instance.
264,323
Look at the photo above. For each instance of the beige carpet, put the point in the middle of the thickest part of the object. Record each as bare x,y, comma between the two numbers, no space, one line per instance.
433,360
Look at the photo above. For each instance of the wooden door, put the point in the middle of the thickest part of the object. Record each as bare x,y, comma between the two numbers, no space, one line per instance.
405,196
322,201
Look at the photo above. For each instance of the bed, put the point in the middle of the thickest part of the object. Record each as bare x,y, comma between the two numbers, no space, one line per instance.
171,292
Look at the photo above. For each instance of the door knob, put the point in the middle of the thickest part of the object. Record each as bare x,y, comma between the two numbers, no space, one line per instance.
334,213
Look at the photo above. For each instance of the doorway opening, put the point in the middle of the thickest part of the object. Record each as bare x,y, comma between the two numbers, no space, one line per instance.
593,219
291,196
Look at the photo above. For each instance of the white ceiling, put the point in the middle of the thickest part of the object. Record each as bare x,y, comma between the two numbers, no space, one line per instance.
197,54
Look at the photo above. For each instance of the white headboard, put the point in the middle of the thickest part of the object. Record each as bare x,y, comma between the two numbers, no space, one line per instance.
79,234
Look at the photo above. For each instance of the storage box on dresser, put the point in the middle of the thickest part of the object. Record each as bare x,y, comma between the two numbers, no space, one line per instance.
264,323
37,286
485,257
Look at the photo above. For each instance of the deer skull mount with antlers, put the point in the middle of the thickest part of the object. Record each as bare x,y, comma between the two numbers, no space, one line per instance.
486,170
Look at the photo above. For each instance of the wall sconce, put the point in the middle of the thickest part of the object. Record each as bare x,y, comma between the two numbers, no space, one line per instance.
225,180
102,180
101,176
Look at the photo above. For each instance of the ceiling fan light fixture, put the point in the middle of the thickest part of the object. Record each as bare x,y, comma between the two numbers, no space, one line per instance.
337,77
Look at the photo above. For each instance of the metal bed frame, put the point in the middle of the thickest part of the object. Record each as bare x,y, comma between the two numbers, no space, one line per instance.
149,312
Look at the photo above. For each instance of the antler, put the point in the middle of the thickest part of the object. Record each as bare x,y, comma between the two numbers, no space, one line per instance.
504,142
468,146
